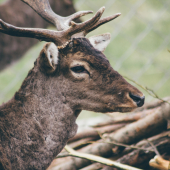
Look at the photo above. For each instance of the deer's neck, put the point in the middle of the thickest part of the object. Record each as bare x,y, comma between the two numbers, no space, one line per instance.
37,126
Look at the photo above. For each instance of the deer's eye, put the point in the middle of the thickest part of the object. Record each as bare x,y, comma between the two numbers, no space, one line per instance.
78,69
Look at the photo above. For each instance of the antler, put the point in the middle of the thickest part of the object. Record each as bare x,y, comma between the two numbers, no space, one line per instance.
42,7
66,27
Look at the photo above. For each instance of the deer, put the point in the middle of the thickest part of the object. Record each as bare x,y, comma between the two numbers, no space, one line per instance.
71,74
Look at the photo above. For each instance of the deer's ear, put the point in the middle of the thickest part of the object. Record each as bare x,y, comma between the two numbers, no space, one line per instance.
49,58
100,42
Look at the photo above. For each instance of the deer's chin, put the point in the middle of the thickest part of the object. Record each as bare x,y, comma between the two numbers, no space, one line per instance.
124,109
121,109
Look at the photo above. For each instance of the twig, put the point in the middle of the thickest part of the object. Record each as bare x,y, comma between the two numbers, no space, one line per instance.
154,147
124,145
82,142
63,155
91,133
98,159
149,91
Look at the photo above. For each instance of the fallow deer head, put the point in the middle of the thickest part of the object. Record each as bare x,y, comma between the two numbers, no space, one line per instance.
90,83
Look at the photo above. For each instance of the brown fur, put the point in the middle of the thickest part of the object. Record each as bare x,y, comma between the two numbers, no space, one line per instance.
37,122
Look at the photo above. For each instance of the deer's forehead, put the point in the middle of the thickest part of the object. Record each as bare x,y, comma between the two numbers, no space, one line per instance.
95,60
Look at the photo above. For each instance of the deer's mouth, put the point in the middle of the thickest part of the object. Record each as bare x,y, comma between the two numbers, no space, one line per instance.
133,103
126,106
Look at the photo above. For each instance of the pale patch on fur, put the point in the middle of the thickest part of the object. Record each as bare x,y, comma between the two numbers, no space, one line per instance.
80,63
100,42
52,54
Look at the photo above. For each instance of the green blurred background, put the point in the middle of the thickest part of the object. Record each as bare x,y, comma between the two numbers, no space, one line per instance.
139,48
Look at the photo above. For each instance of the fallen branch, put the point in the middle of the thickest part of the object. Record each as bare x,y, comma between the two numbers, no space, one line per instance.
126,118
109,128
143,128
82,142
94,134
139,157
154,147
150,125
98,159
127,146
94,166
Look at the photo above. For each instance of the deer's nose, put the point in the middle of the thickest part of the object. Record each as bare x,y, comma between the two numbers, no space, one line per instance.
137,99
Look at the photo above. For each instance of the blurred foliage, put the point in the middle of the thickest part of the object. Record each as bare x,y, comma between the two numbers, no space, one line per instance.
2,1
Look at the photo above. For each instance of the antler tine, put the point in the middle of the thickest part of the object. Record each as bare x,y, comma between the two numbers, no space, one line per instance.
65,32
97,24
78,29
58,37
101,22
75,16
42,7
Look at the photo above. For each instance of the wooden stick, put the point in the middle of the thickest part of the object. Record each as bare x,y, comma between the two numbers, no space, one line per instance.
93,132
94,166
98,159
83,142
143,128
110,128
132,133
126,118
137,157
154,147
128,146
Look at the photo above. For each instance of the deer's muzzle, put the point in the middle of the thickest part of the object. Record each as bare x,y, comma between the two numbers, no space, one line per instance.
137,99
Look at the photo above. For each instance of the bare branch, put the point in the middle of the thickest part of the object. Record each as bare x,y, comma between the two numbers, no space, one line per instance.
123,145
94,132
154,147
98,159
